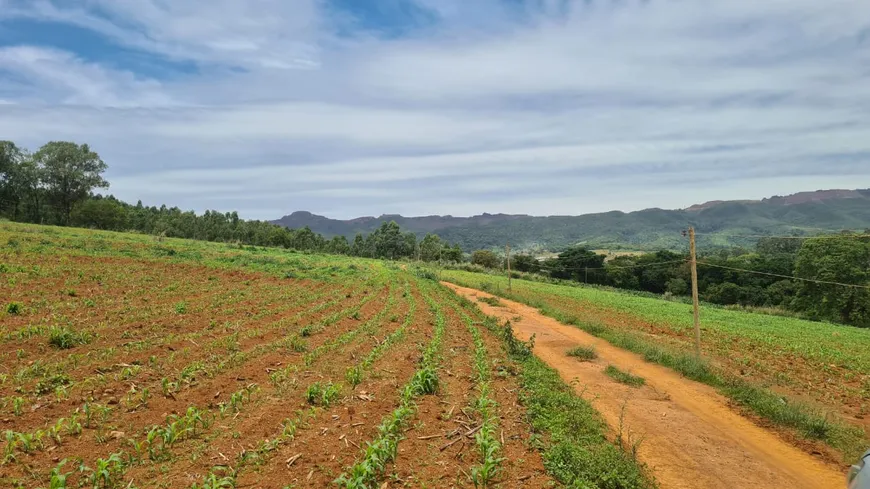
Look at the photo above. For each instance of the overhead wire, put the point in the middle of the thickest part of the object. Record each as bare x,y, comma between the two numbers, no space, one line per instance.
783,276
759,236
642,265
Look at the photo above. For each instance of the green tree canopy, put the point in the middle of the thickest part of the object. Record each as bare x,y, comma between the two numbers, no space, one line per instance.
485,258
70,173
845,261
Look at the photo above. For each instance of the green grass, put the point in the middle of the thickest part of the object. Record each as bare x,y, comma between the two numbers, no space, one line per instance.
572,434
584,353
624,377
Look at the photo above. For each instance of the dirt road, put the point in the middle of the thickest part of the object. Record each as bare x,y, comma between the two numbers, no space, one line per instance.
690,438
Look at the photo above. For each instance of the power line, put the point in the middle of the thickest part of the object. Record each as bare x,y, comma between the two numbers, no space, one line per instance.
785,276
616,266
754,236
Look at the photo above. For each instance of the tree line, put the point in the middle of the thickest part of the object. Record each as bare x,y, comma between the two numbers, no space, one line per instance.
56,185
799,275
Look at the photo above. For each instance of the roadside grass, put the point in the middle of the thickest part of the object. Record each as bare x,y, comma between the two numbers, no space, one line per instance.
624,377
492,301
566,428
583,353
812,423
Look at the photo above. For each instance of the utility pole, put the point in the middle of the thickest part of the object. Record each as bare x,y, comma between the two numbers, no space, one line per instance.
507,252
697,317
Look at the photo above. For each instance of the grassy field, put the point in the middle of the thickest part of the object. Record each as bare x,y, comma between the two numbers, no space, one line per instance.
131,361
823,366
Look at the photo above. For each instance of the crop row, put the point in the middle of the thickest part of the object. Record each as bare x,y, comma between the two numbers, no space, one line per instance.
384,448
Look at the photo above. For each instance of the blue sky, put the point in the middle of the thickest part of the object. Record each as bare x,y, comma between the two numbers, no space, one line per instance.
363,107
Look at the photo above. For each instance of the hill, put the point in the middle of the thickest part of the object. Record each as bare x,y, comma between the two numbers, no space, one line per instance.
804,213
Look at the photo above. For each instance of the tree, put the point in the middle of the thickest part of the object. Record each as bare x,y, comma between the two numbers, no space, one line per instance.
359,247
453,254
70,173
525,263
389,241
10,157
485,258
409,245
574,263
14,173
100,214
845,261
338,245
431,248
677,286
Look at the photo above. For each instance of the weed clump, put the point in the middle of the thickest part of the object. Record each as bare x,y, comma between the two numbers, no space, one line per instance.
323,394
492,301
583,353
624,377
66,338
14,308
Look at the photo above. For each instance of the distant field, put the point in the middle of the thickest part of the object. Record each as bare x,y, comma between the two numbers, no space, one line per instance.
132,361
825,364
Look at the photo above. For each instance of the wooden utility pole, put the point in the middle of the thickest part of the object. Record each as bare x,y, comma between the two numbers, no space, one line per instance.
697,317
507,252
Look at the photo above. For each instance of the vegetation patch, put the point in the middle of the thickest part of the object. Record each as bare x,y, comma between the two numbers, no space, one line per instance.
492,301
14,308
573,435
584,353
624,377
66,338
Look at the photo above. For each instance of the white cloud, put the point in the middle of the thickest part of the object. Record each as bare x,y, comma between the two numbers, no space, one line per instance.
55,76
557,107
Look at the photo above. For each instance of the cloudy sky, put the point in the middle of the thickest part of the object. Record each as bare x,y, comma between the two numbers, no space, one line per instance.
364,107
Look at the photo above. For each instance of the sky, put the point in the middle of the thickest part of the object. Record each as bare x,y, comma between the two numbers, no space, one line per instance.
349,108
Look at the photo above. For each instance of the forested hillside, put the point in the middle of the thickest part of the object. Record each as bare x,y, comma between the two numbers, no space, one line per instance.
720,224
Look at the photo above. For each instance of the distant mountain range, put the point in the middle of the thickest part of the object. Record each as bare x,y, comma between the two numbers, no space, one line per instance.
719,223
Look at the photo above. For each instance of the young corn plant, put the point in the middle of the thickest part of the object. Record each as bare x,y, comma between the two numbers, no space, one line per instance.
107,473
322,394
488,448
218,478
58,477
353,375
17,406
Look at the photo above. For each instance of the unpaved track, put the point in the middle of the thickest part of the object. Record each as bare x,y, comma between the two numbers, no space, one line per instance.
690,437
